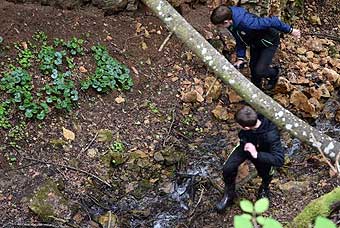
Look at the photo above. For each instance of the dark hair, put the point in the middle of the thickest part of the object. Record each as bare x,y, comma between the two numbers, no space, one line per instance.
220,14
246,117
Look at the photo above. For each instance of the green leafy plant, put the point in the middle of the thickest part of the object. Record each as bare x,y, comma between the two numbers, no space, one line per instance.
56,89
4,122
25,57
18,84
61,91
17,133
117,146
50,59
75,46
40,37
253,216
153,108
1,40
109,74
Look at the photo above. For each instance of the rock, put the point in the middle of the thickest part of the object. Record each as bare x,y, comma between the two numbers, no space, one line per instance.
214,87
283,86
315,20
114,158
108,220
92,152
158,156
104,135
324,91
233,96
309,55
143,187
294,186
48,201
221,113
283,99
313,66
301,50
189,97
331,75
337,116
315,103
167,187
301,102
313,92
172,156
315,45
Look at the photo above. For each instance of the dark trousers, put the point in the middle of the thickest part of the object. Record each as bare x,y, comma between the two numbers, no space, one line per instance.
260,61
237,157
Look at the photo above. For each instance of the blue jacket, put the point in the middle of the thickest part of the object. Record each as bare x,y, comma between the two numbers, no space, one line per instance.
251,30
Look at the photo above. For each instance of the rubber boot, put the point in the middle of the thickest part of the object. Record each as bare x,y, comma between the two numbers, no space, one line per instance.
273,81
264,191
227,199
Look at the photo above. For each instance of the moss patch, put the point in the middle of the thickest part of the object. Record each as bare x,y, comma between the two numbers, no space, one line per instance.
48,202
320,206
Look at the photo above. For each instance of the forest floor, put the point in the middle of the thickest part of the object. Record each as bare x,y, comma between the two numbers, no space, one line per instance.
171,152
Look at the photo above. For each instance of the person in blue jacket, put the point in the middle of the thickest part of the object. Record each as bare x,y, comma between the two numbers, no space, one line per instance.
261,34
261,144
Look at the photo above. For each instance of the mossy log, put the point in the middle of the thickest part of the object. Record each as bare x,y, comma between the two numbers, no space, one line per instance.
321,206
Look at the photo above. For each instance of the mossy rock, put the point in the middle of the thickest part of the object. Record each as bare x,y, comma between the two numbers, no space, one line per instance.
57,143
143,187
318,207
114,158
172,156
48,202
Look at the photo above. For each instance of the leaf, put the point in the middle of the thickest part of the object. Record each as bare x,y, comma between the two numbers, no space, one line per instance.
242,222
144,46
24,45
261,220
68,134
322,222
119,100
271,223
247,206
109,220
246,216
82,69
261,205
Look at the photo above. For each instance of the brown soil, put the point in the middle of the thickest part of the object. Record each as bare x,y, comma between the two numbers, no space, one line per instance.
150,120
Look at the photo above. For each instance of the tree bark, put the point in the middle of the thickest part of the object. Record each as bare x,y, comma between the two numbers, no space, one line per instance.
229,75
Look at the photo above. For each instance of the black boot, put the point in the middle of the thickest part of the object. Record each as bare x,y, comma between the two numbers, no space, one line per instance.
227,199
264,191
273,80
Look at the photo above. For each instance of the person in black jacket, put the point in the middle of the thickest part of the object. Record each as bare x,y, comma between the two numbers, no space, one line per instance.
260,143
261,34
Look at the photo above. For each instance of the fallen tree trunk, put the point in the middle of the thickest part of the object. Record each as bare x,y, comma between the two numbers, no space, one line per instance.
229,75
321,206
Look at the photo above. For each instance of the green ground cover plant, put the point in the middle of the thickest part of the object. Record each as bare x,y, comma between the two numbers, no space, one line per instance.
54,85
109,74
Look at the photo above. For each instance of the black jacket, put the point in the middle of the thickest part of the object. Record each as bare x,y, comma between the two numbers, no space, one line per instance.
267,141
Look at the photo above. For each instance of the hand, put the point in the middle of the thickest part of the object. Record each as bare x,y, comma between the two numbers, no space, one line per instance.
296,33
251,149
238,63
